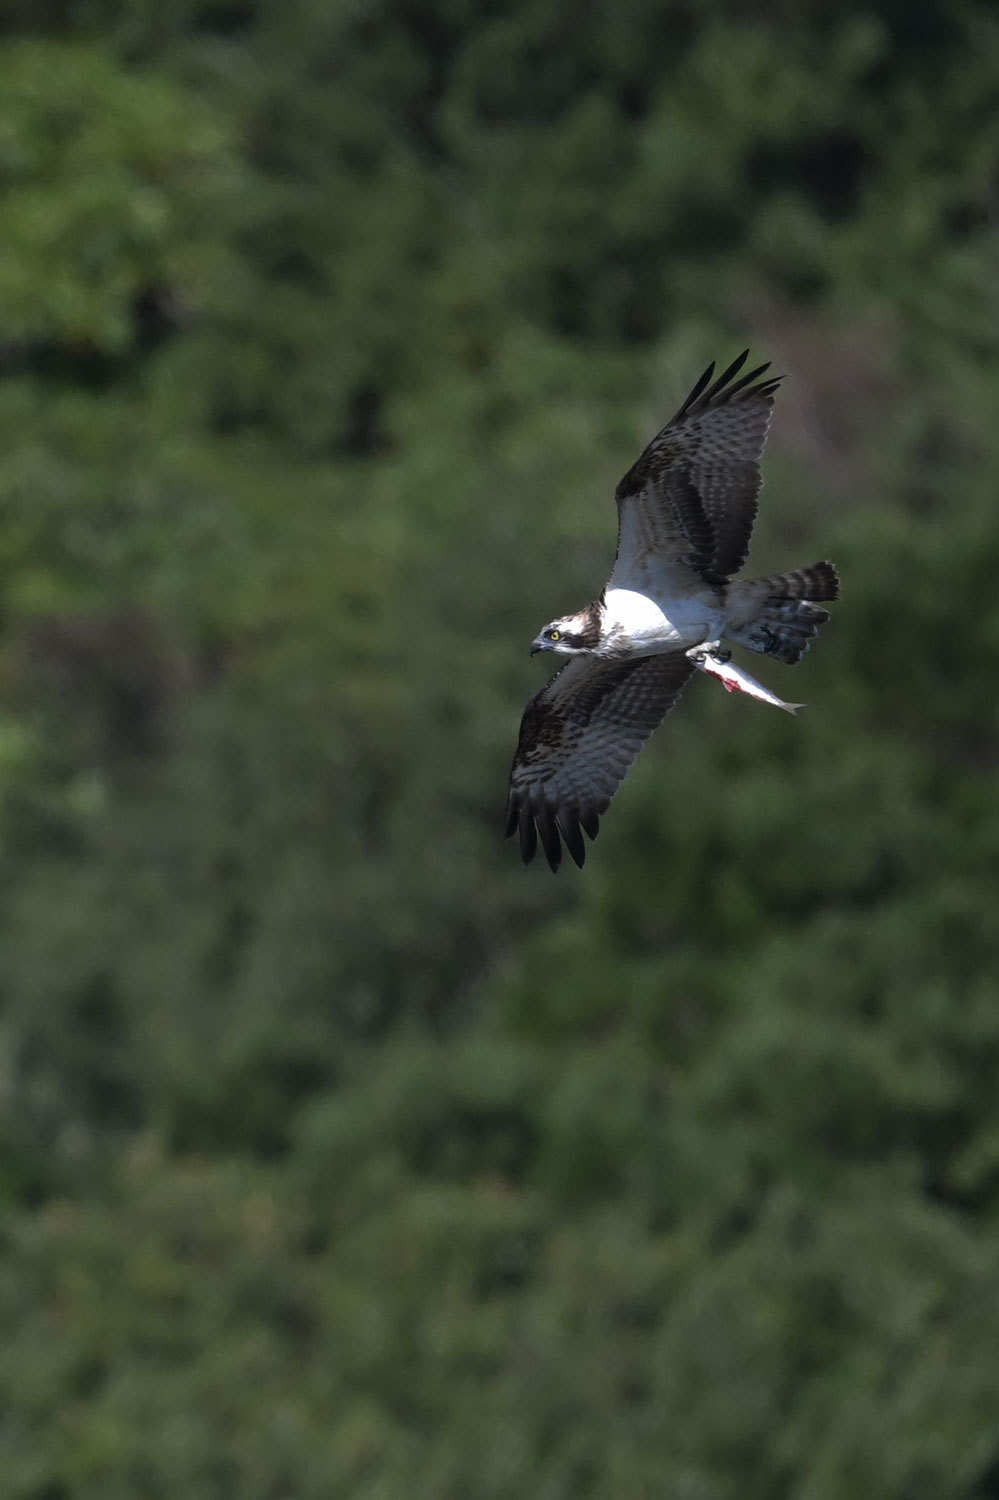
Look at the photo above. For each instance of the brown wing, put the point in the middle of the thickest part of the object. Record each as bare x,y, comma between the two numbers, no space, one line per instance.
694,493
578,737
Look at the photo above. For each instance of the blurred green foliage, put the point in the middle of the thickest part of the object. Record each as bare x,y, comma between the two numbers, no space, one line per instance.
339,1155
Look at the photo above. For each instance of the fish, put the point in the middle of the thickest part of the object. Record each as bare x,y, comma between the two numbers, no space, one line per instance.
734,679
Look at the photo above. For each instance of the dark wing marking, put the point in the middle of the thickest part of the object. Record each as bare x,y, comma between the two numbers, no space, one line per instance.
694,492
578,737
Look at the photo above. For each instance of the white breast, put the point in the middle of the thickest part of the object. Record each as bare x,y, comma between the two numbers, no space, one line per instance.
650,624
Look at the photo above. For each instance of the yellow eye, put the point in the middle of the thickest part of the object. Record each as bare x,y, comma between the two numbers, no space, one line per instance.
554,634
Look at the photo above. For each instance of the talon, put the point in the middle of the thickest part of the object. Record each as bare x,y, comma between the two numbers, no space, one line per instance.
714,649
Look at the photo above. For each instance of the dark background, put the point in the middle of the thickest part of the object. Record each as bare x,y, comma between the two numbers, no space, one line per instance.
340,1156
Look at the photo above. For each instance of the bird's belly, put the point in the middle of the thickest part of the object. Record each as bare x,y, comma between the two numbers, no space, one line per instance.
650,625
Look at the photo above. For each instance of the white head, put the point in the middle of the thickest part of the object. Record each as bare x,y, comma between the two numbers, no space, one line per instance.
571,635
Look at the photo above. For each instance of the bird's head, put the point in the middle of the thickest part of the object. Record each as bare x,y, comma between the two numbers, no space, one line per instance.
573,635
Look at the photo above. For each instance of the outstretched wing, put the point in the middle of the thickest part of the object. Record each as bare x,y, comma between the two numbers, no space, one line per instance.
578,737
693,495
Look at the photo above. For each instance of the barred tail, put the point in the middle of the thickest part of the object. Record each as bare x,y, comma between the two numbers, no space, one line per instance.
777,616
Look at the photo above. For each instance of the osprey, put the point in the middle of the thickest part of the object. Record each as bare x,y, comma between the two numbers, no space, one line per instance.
685,516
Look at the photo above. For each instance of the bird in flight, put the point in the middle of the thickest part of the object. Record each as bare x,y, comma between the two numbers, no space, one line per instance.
685,516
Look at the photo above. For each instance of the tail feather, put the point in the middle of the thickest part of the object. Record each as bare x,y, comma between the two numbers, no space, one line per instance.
818,583
779,615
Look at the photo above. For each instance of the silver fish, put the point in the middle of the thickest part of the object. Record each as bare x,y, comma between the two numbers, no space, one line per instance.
733,679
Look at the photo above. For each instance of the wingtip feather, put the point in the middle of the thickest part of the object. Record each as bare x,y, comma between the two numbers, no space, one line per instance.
568,822
724,388
550,841
698,388
726,376
590,820
528,836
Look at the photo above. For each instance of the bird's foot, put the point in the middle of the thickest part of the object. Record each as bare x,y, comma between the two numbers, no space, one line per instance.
713,649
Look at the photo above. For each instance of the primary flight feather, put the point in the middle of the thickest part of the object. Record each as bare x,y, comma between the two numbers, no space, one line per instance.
685,517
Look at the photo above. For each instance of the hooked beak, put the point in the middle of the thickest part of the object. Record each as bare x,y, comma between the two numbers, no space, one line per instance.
538,645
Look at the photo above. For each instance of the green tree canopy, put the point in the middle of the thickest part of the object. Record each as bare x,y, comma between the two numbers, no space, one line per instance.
340,1155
